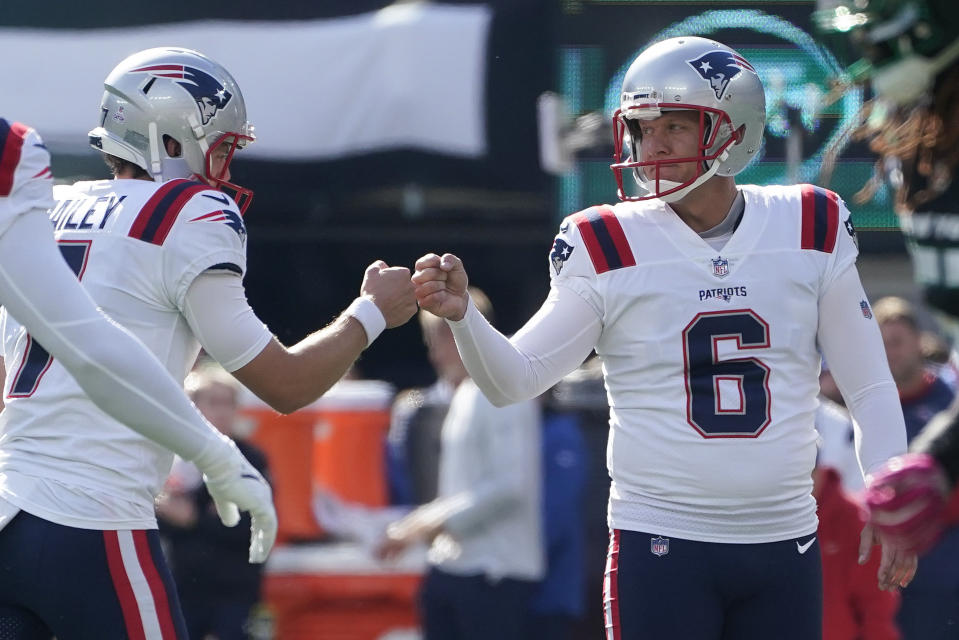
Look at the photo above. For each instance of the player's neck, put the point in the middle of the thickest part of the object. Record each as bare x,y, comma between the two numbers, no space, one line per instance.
707,205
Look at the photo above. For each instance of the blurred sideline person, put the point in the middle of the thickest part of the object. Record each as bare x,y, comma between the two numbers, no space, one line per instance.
854,607
115,371
413,443
582,394
709,304
930,606
909,55
485,526
837,449
218,588
161,249
558,608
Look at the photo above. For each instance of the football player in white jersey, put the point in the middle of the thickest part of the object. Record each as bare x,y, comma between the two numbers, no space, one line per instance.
161,249
110,366
709,304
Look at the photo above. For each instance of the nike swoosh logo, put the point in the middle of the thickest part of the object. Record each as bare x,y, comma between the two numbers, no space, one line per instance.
803,548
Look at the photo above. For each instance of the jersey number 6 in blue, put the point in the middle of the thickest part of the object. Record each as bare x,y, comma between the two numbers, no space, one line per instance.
729,397
36,360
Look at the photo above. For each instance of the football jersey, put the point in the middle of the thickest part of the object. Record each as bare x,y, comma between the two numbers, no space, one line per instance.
25,177
136,247
710,358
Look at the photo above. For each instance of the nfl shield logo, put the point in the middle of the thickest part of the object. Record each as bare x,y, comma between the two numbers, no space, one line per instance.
720,267
659,546
866,311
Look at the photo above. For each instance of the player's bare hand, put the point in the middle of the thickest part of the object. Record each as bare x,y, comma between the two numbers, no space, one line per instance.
418,526
391,290
441,284
897,566
390,548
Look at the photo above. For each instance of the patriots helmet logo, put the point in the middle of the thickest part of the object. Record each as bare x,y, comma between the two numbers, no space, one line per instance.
232,219
718,68
560,254
206,90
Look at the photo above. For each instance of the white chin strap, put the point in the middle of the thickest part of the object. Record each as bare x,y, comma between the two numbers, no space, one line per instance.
163,167
667,185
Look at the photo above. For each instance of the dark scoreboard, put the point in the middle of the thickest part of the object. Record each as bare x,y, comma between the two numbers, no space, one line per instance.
600,38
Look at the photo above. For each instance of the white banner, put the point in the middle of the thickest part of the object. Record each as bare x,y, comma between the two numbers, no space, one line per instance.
407,76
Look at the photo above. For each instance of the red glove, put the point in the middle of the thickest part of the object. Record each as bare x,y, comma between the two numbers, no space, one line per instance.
907,501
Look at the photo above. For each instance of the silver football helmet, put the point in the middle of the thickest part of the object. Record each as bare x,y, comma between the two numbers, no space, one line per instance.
174,93
699,75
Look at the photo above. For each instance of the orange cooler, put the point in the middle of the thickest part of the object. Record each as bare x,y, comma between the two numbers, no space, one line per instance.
337,592
336,443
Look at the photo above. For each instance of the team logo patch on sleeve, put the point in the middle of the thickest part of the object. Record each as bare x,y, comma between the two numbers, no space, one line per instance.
851,230
232,219
560,254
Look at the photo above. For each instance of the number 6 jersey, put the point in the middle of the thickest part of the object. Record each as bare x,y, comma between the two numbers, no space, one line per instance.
711,358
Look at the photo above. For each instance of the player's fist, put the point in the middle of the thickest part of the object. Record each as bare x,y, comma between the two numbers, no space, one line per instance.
391,290
907,500
441,284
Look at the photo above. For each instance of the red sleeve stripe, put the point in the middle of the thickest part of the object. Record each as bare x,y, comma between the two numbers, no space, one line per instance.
820,218
157,216
11,145
604,239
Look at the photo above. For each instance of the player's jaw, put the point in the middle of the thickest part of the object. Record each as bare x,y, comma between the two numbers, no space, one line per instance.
672,171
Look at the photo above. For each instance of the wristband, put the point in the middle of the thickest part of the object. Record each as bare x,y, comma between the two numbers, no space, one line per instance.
369,315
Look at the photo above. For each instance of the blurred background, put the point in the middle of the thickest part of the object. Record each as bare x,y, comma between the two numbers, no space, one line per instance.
386,130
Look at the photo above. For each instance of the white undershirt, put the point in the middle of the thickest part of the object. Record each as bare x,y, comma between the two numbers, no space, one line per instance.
718,236
220,317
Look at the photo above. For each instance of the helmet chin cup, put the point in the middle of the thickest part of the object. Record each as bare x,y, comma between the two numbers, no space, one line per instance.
670,191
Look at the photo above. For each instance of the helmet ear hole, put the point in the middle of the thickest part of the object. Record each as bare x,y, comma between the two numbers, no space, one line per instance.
173,148
739,134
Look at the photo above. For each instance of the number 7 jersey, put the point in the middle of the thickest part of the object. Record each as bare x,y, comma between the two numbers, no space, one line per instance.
136,247
710,358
